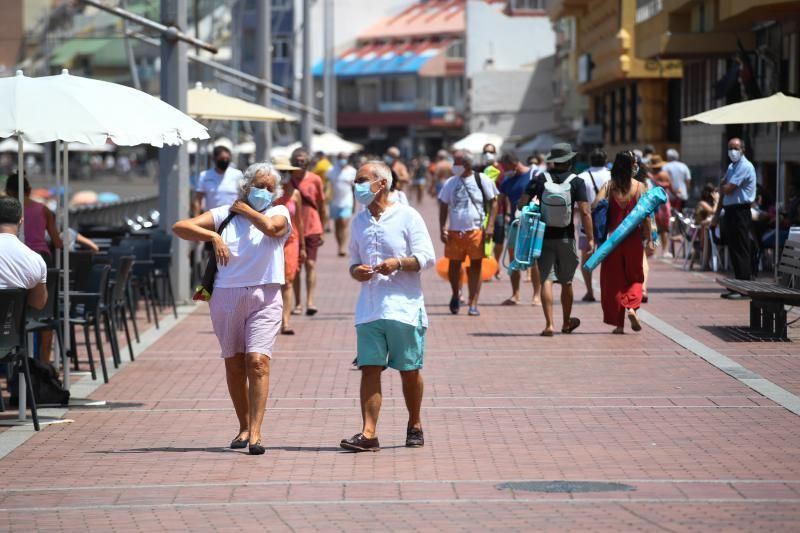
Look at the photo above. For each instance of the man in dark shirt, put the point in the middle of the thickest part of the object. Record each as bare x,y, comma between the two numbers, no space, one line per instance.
559,258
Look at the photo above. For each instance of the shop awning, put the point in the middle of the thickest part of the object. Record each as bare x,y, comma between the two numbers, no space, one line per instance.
383,59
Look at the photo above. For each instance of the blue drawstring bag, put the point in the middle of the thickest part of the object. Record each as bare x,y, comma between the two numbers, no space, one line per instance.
600,221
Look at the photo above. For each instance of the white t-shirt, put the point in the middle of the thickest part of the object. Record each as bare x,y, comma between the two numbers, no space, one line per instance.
255,258
680,176
601,176
20,267
219,189
466,201
399,232
342,180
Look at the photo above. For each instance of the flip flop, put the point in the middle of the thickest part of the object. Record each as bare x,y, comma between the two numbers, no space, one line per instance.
546,333
573,325
635,324
509,301
311,311
287,331
297,311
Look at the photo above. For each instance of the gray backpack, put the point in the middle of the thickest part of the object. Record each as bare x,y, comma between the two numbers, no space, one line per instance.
557,202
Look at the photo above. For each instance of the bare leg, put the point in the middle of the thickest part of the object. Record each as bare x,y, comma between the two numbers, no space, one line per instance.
547,306
342,229
536,279
515,277
474,281
311,283
258,378
297,288
646,268
236,376
46,346
454,275
664,237
566,303
412,393
287,294
587,276
370,399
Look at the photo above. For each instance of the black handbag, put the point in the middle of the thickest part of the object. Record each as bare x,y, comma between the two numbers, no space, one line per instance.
202,293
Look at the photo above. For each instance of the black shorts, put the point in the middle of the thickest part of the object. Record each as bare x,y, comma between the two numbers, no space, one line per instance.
499,230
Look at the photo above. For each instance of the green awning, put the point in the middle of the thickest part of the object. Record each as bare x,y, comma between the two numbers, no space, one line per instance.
103,52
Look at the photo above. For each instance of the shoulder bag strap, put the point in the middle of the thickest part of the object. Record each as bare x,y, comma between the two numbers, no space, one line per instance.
594,183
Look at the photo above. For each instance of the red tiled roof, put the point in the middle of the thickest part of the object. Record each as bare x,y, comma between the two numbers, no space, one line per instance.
435,17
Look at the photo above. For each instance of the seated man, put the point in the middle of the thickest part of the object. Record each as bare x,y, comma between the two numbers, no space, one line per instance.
20,267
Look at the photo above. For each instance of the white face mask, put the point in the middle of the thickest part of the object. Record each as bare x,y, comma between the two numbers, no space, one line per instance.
735,155
458,170
489,157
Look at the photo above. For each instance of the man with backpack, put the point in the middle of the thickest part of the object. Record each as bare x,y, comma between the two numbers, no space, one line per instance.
594,178
467,199
558,190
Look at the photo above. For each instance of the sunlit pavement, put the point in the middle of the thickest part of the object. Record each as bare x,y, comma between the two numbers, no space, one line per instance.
587,431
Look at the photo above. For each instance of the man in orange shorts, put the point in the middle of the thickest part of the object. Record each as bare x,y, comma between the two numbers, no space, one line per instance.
468,200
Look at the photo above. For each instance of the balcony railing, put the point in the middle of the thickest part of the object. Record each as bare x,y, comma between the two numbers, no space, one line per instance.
646,9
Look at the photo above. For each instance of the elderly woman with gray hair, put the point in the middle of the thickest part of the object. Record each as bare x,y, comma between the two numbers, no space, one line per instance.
246,305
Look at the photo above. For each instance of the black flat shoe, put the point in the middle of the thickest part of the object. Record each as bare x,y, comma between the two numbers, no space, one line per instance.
257,449
238,444
414,438
360,443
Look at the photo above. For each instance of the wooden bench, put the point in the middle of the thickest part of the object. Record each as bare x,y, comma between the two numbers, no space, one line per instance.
767,299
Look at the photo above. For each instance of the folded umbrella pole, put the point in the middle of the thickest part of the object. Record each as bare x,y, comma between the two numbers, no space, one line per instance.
646,206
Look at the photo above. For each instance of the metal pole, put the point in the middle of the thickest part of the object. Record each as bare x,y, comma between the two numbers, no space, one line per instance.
21,182
172,30
778,198
174,160
129,50
307,86
263,130
328,80
65,214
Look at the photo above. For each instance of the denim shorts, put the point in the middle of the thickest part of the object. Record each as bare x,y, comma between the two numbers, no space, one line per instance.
390,343
338,213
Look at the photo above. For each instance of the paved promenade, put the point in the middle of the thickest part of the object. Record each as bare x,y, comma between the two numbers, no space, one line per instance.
686,425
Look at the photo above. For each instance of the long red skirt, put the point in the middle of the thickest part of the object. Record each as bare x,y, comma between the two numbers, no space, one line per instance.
621,279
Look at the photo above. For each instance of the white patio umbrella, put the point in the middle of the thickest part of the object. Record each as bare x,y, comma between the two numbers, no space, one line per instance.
474,142
65,108
11,145
777,109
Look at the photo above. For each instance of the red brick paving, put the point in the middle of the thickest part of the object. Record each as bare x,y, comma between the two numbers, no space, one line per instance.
700,449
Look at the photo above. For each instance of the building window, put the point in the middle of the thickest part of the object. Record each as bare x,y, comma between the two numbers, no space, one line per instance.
529,5
281,49
455,50
634,111
281,5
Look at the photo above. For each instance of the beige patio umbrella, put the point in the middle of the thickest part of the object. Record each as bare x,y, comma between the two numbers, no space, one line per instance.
777,109
209,104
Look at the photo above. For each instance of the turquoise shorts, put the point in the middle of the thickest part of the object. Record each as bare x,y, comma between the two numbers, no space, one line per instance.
338,213
390,343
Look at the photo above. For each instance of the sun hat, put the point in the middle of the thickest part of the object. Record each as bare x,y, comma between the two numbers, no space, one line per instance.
560,153
281,162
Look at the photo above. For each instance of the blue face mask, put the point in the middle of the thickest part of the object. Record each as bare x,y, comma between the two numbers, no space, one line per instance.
388,159
363,192
342,162
259,199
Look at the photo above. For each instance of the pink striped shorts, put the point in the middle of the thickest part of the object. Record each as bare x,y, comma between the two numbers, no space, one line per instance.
246,319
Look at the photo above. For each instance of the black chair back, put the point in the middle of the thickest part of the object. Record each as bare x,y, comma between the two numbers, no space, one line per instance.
80,264
98,283
117,253
121,280
142,250
50,309
162,242
12,321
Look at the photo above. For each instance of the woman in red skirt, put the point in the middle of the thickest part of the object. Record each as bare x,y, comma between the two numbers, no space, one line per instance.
622,273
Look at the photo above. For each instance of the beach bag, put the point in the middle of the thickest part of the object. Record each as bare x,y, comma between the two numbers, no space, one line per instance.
557,202
47,388
600,221
202,293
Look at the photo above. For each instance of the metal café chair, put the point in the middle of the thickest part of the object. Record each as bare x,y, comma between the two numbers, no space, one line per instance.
49,317
13,347
142,280
88,311
162,261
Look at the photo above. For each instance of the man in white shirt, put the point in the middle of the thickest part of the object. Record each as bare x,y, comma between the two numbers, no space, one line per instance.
471,210
594,178
681,178
218,185
20,267
341,177
389,247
